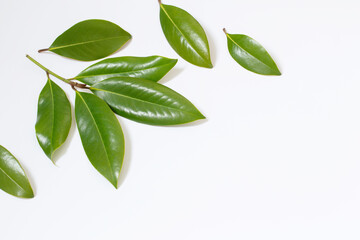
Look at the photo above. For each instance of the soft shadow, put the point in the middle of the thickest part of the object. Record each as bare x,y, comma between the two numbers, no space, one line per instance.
63,149
127,158
213,49
190,124
29,176
276,60
170,75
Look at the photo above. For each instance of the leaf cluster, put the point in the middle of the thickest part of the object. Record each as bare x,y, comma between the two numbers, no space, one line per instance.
125,86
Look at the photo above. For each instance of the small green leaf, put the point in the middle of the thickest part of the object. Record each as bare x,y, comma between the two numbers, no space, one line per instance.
101,135
53,118
90,40
251,55
146,101
152,68
13,179
185,35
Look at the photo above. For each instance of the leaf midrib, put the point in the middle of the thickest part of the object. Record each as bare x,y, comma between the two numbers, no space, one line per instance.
98,130
204,58
85,76
83,43
249,52
140,100
53,119
12,179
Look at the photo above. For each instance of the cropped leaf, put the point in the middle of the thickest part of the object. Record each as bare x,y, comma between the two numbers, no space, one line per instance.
13,179
251,55
90,40
53,118
146,101
185,35
152,68
101,135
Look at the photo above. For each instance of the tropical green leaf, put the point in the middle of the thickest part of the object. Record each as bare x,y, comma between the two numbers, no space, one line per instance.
146,101
13,179
152,68
53,118
101,135
251,55
185,35
90,40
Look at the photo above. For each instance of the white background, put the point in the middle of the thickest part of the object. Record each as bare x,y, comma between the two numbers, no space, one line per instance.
277,158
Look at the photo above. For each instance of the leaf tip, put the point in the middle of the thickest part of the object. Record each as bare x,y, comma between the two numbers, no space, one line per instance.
276,72
200,115
224,29
159,2
115,184
26,194
29,195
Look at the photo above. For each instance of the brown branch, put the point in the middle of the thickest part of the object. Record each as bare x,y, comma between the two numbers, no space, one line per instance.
78,85
43,50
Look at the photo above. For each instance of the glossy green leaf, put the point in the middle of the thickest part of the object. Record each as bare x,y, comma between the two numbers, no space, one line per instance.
185,35
101,135
13,179
146,101
90,40
251,55
152,68
53,118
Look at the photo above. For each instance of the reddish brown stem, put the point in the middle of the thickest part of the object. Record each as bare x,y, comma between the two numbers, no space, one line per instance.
43,50
78,85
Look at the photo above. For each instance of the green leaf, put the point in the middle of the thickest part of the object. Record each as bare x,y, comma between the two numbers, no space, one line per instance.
13,179
152,68
101,135
251,55
53,118
185,35
146,101
90,40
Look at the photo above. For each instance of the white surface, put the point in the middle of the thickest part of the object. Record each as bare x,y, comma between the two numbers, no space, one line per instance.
277,159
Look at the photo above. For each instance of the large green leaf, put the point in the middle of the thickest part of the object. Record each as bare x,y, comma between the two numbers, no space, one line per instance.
152,68
101,135
13,179
53,118
146,101
251,55
185,35
90,40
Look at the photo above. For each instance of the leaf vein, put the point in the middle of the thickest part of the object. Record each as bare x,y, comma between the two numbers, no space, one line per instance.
248,52
82,43
101,137
204,58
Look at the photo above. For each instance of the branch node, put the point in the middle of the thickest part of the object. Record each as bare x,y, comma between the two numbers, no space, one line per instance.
78,85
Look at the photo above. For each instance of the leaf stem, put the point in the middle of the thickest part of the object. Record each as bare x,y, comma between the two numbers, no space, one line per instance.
159,2
225,31
47,70
43,50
